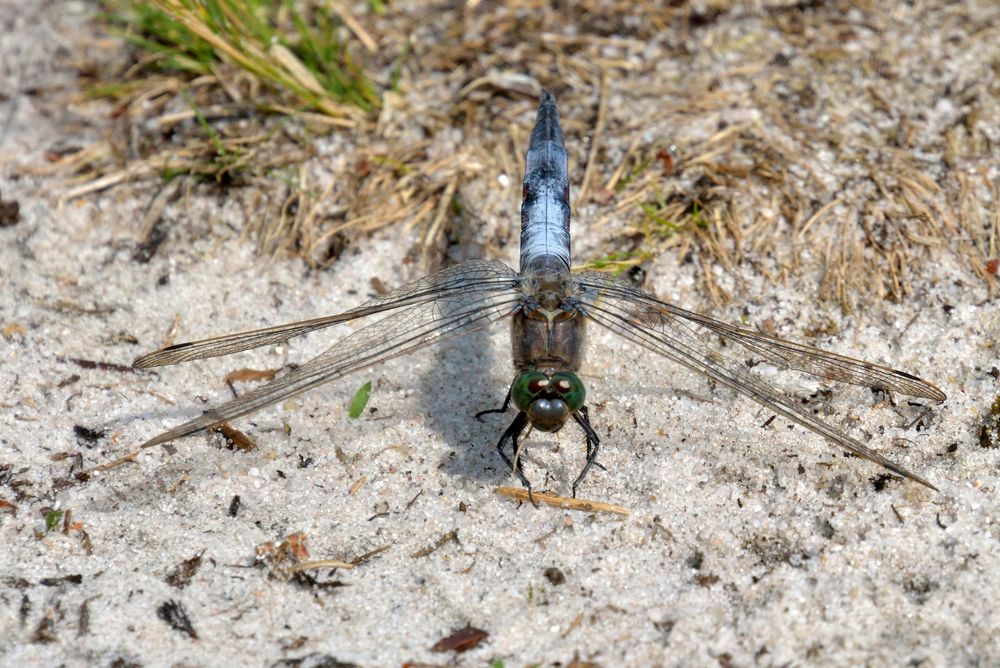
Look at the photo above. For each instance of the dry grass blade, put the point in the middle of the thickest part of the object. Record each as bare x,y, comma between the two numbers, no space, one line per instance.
771,169
359,30
235,33
595,138
564,502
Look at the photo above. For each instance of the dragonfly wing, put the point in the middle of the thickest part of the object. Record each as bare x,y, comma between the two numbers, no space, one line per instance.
779,352
457,310
474,276
687,339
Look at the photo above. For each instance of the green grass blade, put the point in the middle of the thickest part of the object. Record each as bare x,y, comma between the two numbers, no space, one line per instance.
359,401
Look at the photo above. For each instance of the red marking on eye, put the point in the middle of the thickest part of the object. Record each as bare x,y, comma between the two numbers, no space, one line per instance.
538,385
563,386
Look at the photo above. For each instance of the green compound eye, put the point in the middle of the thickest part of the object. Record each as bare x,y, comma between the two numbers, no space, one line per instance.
566,385
527,386
570,388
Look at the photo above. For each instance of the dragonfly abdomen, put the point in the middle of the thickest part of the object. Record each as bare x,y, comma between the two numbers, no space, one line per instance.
545,207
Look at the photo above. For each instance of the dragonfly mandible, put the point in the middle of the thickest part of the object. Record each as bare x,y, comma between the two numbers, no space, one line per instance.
548,309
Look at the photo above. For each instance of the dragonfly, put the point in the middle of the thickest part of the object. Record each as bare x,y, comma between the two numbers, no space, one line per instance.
548,308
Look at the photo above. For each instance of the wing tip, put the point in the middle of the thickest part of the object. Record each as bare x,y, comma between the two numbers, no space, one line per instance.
157,357
922,388
144,361
922,481
936,394
906,474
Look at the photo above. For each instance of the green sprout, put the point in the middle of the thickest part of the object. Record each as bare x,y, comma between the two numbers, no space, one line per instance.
52,519
360,400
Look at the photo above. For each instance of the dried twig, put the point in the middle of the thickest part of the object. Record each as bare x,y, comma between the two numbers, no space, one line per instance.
602,112
561,501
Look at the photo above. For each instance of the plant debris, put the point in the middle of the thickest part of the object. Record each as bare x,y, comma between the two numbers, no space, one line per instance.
554,576
74,579
461,640
242,88
235,439
445,538
10,213
313,661
561,501
577,662
101,366
279,557
12,330
177,618
45,630
52,519
287,560
87,435
183,572
989,431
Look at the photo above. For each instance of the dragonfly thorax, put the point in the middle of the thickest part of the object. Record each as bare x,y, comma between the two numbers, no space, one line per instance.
547,340
548,399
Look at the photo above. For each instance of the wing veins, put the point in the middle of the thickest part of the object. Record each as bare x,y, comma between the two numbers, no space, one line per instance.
240,341
693,355
324,367
782,353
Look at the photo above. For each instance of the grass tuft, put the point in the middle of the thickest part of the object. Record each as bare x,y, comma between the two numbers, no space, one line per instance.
298,55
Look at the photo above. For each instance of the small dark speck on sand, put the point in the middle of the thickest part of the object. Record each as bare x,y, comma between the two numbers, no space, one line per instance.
554,576
183,572
10,213
87,435
176,617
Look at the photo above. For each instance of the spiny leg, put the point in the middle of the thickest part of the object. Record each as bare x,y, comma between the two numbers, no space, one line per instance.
582,418
519,467
511,434
502,409
592,461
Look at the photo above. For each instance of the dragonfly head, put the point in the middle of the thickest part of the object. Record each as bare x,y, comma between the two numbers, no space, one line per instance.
548,400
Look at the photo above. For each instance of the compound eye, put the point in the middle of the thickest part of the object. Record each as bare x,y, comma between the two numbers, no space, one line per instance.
570,388
527,386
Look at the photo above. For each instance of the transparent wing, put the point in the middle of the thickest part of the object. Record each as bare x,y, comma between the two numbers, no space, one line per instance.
687,338
474,276
452,303
781,353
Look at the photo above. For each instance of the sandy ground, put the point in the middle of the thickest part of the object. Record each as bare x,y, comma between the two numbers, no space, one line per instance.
745,545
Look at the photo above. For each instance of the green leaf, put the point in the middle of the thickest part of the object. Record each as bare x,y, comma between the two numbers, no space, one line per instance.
360,400
52,519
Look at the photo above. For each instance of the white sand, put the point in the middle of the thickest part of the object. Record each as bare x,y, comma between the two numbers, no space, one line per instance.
745,546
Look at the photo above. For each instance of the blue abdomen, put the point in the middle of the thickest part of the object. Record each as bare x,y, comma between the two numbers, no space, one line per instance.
545,208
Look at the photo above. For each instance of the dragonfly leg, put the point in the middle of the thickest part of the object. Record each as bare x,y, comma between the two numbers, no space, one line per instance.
586,417
511,434
502,409
582,418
